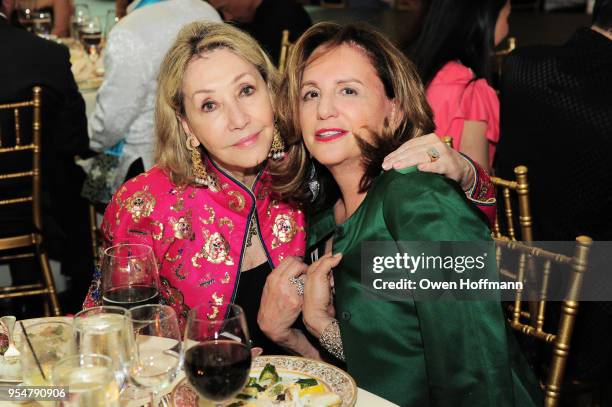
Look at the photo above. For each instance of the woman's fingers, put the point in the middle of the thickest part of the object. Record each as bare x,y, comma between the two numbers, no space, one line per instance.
325,263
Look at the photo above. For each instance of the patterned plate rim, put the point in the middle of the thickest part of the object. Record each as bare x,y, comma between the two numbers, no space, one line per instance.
346,388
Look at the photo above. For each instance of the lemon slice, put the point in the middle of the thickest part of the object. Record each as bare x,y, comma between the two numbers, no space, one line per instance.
318,389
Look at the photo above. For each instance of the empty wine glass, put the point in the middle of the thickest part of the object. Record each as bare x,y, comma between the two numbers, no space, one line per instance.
157,343
129,275
216,353
106,331
111,20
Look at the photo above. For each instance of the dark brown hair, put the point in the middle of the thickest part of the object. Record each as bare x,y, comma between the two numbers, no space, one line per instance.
401,83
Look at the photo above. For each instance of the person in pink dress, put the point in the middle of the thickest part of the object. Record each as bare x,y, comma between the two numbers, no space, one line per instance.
452,55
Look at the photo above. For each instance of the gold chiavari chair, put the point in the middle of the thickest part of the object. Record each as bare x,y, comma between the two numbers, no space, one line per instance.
16,146
520,186
333,4
533,260
284,52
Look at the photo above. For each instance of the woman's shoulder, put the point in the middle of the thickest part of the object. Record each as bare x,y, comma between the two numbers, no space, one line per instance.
411,183
453,72
147,191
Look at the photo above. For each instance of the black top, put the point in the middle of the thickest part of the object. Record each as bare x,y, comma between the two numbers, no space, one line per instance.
27,60
556,118
271,18
250,289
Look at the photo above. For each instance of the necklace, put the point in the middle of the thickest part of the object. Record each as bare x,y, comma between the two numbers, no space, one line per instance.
252,232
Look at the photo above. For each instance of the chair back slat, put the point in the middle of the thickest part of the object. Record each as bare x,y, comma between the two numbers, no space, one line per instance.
528,260
284,52
14,177
520,187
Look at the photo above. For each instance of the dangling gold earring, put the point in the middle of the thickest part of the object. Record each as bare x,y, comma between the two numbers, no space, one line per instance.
277,149
201,176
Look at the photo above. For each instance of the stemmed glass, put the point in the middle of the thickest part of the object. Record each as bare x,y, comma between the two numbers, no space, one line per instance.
90,381
25,13
111,20
90,35
42,23
80,17
106,331
129,276
156,359
216,353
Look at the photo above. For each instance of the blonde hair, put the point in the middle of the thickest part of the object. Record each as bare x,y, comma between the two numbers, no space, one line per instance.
192,41
401,83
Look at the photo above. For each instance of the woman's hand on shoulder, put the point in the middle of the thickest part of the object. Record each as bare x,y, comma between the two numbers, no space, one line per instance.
318,311
418,151
281,303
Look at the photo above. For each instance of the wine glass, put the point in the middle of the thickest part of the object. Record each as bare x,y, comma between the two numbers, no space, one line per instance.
25,13
157,343
42,23
216,354
90,35
90,381
111,20
106,331
80,17
129,275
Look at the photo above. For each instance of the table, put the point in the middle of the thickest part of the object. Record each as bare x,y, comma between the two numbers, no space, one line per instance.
364,398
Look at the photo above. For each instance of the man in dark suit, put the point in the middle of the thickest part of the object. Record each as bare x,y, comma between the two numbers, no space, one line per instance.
28,60
556,118
265,20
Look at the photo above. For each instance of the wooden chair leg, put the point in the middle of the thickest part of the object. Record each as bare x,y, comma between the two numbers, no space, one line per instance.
49,283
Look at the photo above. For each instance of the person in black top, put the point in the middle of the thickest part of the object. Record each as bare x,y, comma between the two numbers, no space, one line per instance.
265,20
27,61
556,118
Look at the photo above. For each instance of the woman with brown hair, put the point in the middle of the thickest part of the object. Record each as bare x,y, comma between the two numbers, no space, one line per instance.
349,115
220,225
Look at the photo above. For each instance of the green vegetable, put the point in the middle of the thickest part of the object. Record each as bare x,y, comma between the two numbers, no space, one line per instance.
304,383
236,404
276,390
251,391
244,396
254,385
269,374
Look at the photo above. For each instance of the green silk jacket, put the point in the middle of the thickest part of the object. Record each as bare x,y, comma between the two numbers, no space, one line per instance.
420,353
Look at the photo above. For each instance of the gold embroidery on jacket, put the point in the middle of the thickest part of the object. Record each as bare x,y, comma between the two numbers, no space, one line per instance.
160,229
140,205
284,230
225,221
216,250
211,215
179,205
182,226
226,279
238,201
218,299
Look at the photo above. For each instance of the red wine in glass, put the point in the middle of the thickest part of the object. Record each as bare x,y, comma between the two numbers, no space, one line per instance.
131,296
218,370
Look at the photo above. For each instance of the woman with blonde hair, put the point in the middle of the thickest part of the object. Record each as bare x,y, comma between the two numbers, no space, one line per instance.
220,224
349,115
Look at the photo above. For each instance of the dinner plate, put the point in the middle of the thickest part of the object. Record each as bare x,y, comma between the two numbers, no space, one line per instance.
332,377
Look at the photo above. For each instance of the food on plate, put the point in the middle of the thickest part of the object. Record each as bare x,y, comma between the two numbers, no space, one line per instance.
271,389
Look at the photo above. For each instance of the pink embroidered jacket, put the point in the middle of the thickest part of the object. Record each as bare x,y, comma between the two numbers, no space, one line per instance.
199,234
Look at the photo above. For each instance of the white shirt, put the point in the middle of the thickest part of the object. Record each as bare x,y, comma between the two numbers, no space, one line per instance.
125,102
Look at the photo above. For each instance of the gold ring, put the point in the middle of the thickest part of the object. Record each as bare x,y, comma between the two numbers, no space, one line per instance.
433,154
